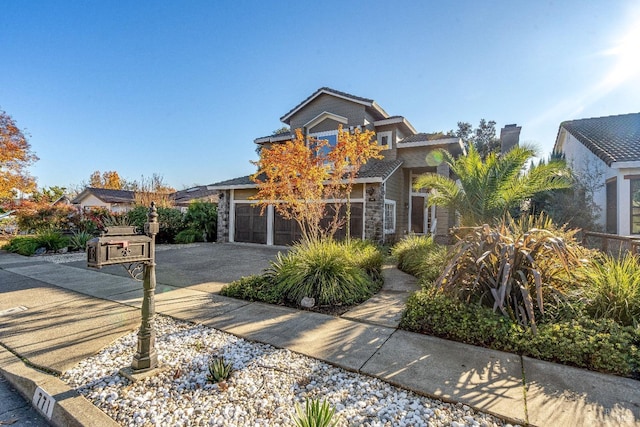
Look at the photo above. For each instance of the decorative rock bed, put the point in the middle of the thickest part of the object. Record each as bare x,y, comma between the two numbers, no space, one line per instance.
262,390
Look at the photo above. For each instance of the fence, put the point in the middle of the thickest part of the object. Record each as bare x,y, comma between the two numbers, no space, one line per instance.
611,243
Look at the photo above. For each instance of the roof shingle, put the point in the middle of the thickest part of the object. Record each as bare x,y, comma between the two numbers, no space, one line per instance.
611,138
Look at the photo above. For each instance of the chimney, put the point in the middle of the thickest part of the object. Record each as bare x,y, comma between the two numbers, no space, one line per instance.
509,137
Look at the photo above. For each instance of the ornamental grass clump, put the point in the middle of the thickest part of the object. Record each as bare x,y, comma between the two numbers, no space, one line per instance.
420,256
519,268
612,289
325,270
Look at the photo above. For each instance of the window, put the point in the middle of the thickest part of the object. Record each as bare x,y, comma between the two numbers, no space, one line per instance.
635,206
384,139
389,216
612,206
330,136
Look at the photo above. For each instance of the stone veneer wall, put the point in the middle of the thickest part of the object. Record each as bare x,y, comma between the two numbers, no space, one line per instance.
223,216
374,210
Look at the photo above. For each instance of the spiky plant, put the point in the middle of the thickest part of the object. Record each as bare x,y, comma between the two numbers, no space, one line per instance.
219,370
316,413
515,268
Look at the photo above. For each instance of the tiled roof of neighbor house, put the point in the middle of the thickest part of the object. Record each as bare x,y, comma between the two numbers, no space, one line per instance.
186,196
234,182
373,169
612,138
108,195
370,102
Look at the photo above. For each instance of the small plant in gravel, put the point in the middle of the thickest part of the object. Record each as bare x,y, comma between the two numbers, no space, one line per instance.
316,413
219,370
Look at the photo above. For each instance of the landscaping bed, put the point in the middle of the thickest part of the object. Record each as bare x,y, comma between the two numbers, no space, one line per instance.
324,276
530,290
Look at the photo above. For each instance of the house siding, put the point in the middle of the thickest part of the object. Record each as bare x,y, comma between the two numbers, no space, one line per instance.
583,162
355,113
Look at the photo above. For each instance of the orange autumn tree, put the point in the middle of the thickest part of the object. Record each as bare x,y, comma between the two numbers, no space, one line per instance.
15,157
301,177
109,180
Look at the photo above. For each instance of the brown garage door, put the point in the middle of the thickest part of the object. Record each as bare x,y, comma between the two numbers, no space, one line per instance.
287,231
250,227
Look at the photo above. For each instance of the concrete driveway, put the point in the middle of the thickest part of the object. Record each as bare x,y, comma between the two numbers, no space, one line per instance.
205,266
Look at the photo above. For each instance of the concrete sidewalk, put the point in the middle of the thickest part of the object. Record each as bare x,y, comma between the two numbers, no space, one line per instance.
72,312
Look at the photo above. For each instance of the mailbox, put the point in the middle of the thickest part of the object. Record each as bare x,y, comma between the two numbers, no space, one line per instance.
119,245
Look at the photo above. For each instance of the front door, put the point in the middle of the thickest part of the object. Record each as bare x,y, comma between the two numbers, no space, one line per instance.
418,210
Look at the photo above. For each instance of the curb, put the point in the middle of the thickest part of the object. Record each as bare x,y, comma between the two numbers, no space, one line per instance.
67,409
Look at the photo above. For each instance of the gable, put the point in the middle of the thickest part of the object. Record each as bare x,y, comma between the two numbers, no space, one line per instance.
354,113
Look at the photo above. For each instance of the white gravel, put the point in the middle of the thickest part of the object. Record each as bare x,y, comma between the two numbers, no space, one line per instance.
262,391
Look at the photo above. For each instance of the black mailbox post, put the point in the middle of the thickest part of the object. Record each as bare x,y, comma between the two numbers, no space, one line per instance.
124,245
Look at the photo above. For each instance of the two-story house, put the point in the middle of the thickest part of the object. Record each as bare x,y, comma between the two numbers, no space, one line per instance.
384,205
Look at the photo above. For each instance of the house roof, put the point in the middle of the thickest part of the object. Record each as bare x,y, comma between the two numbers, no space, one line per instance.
373,171
184,197
421,137
611,138
375,109
106,195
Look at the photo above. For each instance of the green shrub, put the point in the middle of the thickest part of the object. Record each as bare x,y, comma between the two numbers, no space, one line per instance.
600,345
253,288
169,220
420,256
22,245
368,257
78,241
612,289
324,270
203,217
316,413
188,236
434,313
52,240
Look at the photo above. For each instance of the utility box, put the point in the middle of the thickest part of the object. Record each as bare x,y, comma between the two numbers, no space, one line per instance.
119,245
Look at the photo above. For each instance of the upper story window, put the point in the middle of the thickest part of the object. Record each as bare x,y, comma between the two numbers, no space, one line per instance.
384,139
330,136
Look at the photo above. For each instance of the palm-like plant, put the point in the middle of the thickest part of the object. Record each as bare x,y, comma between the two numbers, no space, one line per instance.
488,189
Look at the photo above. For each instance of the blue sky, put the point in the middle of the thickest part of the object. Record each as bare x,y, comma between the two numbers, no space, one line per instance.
183,88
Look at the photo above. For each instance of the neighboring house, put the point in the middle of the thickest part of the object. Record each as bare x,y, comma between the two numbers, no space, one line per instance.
115,201
62,200
183,198
607,150
118,201
384,206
